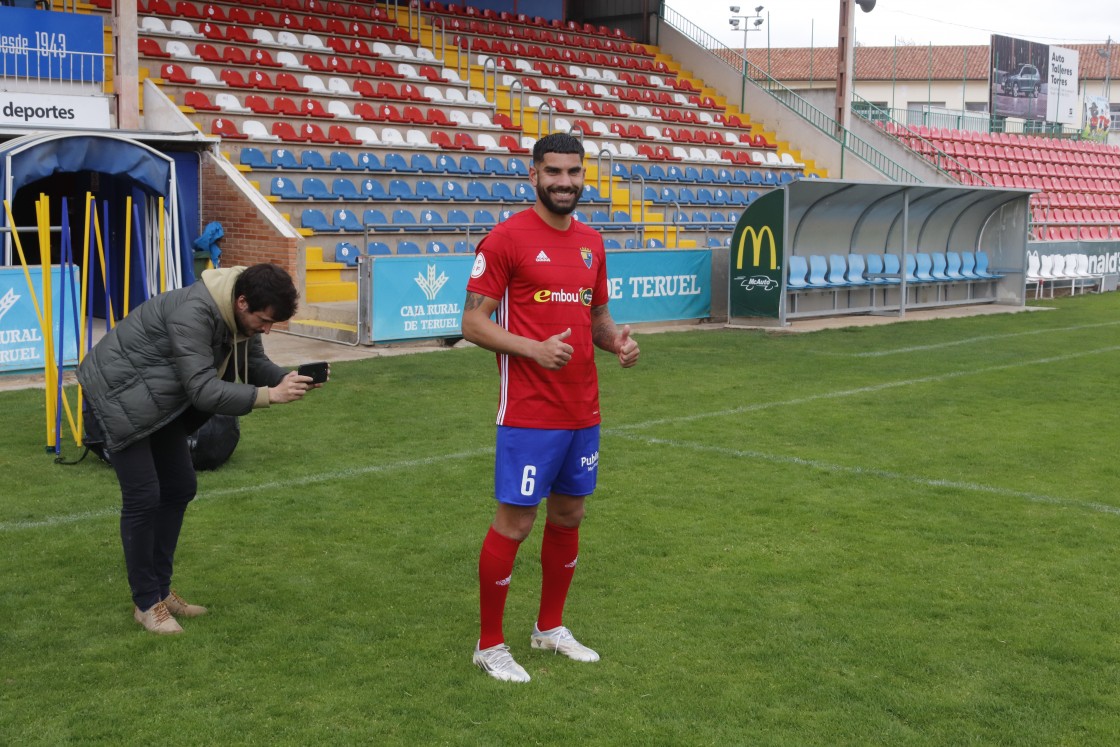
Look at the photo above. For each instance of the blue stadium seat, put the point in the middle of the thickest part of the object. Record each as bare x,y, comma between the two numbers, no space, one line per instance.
378,248
685,196
477,191
620,170
422,164
631,243
622,218
699,218
374,218
500,191
446,164
430,219
674,173
370,162
313,159
953,266
982,269
923,266
580,216
315,189
798,272
611,244
483,218
436,247
516,167
282,158
524,192
968,266
469,165
462,247
940,264
342,161
504,213
315,220
785,177
344,189
457,217
757,178
591,194
704,196
346,220
396,162
404,219
740,176
892,266
429,192
708,176
837,270
721,196
656,173
399,189
454,191
818,270
856,268
373,189
492,165
874,269
408,247
652,243
284,188
638,171
346,252
254,159
771,179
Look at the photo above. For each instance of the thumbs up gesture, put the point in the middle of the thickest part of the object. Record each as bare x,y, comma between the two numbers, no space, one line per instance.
628,351
553,353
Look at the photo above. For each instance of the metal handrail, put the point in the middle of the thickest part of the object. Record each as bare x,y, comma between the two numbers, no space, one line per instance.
848,141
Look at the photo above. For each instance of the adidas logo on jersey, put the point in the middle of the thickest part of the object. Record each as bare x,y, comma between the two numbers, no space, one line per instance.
542,257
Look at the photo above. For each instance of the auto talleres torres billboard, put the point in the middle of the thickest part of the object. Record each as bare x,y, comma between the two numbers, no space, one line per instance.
1028,80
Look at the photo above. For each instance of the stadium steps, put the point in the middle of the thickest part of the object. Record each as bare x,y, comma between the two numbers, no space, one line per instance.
328,281
329,320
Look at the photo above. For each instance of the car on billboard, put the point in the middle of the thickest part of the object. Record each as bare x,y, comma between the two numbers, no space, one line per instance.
1026,80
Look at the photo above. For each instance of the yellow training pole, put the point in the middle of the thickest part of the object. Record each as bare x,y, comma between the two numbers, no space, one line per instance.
104,273
42,214
162,251
127,251
82,310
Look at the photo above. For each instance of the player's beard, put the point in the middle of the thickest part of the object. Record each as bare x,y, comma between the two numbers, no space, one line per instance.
545,196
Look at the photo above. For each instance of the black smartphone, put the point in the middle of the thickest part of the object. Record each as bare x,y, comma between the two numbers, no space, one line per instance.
317,371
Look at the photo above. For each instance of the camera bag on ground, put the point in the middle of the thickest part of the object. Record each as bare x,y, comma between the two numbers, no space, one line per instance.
214,442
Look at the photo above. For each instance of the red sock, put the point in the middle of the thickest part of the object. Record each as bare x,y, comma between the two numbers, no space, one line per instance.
559,551
495,565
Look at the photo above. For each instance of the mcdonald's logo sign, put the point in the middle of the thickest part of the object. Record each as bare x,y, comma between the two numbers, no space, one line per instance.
757,237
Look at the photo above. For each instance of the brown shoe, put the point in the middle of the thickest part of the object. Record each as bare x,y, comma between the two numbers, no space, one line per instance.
158,619
181,607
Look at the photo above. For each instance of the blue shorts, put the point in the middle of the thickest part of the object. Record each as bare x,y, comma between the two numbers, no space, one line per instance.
533,462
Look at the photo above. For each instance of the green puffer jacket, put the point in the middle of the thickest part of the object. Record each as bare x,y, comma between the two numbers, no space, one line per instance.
174,352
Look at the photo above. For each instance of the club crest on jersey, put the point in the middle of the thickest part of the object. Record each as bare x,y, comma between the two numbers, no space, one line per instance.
586,254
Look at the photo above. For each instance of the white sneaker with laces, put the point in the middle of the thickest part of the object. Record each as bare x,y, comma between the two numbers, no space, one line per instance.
561,641
497,662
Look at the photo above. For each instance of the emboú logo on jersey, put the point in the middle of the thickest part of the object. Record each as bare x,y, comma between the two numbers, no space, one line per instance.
542,257
587,256
582,296
479,266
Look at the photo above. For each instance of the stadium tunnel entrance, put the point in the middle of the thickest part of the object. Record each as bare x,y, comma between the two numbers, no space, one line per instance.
113,209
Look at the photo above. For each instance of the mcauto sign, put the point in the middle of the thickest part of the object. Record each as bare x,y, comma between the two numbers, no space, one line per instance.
757,259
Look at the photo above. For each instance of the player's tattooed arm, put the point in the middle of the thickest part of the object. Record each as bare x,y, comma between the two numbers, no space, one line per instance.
474,300
604,333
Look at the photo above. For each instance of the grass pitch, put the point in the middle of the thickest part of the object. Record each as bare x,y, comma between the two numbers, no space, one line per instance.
895,535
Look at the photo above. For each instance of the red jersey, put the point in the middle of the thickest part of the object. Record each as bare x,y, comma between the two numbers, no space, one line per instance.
545,281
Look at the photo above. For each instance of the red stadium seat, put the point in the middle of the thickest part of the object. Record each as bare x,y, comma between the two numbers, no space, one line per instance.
263,57
259,80
288,82
151,48
235,56
366,111
226,129
258,104
314,108
444,141
175,74
234,79
286,107
287,133
199,101
511,143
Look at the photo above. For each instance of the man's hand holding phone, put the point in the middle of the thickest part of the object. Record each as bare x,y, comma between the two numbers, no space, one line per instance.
319,373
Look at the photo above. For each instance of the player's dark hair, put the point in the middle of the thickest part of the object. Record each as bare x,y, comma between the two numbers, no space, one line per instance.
268,286
557,142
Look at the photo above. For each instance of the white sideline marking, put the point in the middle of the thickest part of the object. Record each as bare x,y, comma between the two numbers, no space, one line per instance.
967,341
870,472
755,407
52,521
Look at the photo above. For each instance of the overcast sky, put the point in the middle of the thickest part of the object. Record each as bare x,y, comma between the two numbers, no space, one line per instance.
803,23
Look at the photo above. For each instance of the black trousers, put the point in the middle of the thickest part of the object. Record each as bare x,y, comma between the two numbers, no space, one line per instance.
157,482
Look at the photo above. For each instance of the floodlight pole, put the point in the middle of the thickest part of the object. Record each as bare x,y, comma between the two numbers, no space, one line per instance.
845,49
